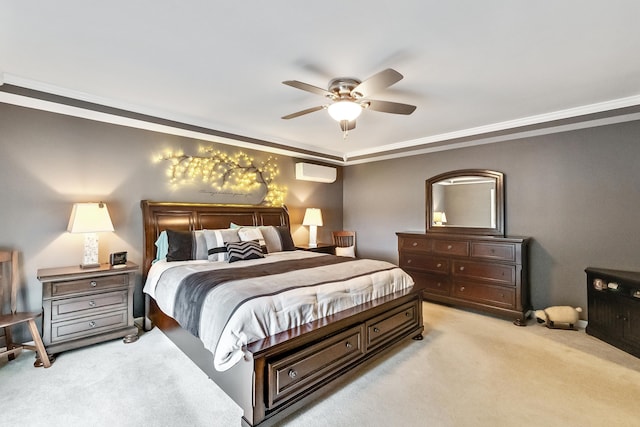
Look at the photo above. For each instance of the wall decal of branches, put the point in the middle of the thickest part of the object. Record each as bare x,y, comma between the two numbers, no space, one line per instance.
235,173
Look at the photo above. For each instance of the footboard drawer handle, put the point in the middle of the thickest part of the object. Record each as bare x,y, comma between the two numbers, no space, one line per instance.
93,283
92,324
292,373
376,330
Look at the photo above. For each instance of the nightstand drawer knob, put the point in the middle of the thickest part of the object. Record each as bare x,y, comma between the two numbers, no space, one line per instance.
292,373
92,303
376,330
92,324
348,345
93,283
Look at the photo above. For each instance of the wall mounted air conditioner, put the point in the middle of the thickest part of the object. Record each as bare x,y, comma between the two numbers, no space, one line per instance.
316,173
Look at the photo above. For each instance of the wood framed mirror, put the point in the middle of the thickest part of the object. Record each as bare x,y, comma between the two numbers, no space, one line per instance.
469,201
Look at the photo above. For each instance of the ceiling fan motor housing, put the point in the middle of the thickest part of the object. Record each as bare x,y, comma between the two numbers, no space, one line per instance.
343,86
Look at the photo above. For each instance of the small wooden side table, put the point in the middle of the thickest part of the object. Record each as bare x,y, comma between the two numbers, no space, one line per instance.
87,306
324,248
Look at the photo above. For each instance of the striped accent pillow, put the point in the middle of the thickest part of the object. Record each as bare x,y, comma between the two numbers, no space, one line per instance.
216,243
241,251
182,245
278,238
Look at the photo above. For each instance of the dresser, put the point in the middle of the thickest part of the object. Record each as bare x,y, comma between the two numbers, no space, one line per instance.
481,272
86,306
613,298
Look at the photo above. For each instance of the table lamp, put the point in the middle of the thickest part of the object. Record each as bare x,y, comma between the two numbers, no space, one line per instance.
313,218
90,219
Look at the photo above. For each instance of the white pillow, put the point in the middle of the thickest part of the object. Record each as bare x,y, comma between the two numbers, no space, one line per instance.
349,251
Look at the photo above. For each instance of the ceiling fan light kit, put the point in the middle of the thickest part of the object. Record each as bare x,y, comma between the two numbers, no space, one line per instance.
344,110
349,98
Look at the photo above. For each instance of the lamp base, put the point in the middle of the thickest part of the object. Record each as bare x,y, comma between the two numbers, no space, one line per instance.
313,236
85,266
90,255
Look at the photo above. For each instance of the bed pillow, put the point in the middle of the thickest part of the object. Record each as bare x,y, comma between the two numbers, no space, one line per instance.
248,234
242,251
162,246
277,239
217,243
183,246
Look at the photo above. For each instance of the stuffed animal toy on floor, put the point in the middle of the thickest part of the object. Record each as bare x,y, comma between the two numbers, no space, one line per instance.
559,317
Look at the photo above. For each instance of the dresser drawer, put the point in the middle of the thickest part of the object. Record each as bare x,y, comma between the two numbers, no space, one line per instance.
89,325
451,247
494,251
415,244
387,326
96,283
499,273
424,262
499,296
302,369
431,283
88,304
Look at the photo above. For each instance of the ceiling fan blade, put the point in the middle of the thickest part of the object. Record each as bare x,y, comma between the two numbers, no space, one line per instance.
376,83
346,125
391,107
303,112
308,88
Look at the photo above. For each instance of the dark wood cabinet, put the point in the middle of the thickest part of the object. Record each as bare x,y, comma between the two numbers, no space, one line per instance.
613,298
481,272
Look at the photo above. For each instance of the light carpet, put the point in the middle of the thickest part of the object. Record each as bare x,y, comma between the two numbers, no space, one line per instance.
470,370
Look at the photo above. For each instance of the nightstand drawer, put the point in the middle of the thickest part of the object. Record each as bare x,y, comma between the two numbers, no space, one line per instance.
86,305
86,326
96,283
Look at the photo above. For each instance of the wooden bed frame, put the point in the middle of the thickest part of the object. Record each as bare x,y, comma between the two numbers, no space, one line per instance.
285,371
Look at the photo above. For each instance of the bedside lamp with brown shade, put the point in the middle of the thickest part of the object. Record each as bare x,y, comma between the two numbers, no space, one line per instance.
313,219
90,219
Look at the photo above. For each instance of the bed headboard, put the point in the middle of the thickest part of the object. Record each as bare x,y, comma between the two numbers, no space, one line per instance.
159,216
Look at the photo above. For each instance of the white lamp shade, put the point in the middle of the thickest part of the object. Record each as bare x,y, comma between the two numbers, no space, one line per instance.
89,218
312,216
344,110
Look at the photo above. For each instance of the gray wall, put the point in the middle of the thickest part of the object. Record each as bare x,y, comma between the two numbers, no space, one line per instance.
49,161
576,194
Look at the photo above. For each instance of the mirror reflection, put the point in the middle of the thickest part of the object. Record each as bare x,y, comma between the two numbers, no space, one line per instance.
469,201
464,201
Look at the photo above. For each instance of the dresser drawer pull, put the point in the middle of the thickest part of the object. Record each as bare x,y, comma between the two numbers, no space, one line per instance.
376,330
92,324
439,284
92,303
461,288
462,268
449,246
93,283
292,373
409,261
348,345
439,265
414,244
407,313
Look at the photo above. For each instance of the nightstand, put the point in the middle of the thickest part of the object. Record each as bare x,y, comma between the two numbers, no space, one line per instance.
324,248
87,306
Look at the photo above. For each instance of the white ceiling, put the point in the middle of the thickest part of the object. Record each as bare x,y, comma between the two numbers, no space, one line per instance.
470,67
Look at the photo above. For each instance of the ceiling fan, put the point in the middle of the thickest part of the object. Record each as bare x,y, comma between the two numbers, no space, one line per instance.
350,96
